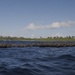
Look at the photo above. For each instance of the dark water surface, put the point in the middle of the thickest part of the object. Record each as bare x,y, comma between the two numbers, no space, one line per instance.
37,61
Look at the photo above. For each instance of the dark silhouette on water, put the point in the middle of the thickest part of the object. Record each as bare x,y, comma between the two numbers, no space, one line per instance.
38,45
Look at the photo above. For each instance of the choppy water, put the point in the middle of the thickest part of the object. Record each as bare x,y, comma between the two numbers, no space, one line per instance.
37,61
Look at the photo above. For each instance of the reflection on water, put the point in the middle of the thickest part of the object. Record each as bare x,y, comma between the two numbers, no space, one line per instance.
37,61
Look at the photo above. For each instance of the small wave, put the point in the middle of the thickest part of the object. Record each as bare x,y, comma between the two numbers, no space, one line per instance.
48,68
67,57
16,71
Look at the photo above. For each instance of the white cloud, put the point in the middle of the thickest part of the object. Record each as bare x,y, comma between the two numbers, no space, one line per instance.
61,24
58,34
32,26
32,35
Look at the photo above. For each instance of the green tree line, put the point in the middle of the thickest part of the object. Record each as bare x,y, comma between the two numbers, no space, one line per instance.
67,38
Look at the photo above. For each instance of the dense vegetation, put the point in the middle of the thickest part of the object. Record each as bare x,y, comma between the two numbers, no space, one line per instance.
67,38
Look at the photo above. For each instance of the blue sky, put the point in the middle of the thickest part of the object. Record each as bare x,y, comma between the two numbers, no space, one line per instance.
35,18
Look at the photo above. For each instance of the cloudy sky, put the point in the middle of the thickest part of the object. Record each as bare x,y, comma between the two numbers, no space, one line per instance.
35,18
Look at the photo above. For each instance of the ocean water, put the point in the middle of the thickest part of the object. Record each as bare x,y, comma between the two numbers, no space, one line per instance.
37,60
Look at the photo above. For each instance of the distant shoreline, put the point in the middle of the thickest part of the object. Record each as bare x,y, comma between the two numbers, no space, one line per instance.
8,38
27,43
54,40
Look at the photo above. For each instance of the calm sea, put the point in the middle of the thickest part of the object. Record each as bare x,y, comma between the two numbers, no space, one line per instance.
37,60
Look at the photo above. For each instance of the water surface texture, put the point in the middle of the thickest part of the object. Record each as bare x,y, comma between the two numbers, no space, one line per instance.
37,60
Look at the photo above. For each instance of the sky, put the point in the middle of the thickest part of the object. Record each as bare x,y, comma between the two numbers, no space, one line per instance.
37,18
